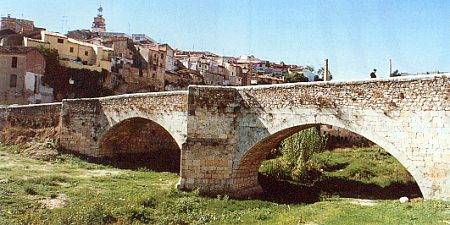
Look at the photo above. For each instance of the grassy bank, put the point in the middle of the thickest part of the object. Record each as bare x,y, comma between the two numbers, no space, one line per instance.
67,190
357,173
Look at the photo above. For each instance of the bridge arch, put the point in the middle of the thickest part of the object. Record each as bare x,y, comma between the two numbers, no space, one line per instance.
247,162
139,141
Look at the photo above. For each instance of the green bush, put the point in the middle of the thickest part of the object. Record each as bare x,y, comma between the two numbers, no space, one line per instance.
140,214
30,190
149,202
296,151
276,168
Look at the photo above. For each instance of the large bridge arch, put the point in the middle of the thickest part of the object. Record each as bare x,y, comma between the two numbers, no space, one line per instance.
246,164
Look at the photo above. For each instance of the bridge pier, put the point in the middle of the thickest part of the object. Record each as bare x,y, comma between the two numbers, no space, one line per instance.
208,166
207,155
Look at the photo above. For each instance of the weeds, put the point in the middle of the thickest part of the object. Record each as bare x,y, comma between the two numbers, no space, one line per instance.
30,190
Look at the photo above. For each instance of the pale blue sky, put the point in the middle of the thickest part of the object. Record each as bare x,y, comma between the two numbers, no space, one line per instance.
356,36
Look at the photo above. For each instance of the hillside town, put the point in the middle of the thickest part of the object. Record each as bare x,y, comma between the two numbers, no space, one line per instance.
41,66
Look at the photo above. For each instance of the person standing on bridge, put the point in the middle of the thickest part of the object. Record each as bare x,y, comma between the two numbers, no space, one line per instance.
373,75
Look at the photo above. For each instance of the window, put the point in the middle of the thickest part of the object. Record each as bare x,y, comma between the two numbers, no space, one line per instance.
14,62
71,49
162,56
13,80
86,53
61,41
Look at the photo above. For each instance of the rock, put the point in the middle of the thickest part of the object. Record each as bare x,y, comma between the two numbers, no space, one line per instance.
4,181
404,199
53,203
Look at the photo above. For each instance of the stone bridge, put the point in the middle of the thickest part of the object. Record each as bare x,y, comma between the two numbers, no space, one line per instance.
225,132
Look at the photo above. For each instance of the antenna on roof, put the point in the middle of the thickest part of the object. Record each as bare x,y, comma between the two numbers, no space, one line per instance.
100,8
63,24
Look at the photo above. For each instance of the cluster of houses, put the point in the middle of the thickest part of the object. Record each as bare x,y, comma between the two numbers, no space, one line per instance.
133,63
237,71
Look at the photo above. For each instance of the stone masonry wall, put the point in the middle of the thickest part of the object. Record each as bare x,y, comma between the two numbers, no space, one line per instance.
3,116
23,123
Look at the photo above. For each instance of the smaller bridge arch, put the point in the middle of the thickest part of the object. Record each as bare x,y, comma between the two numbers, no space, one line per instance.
120,126
137,142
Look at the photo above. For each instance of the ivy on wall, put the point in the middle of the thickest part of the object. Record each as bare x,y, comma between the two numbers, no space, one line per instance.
86,83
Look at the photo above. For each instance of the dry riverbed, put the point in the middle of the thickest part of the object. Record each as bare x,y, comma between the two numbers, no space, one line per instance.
68,190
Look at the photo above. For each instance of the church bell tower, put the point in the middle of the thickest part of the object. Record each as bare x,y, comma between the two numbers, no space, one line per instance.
99,24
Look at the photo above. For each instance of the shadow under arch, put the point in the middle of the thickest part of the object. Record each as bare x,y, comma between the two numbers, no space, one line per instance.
247,166
140,143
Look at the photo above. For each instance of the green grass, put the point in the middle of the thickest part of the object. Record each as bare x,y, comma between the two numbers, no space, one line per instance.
367,165
370,165
97,194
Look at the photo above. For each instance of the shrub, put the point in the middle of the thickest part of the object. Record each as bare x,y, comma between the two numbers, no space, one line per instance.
141,215
297,150
276,168
30,190
148,202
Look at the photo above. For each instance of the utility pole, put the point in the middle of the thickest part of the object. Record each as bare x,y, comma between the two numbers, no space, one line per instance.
249,73
390,67
326,72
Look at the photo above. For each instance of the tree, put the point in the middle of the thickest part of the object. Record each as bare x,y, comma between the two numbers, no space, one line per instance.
395,74
320,75
317,78
55,75
87,83
297,149
310,68
295,77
